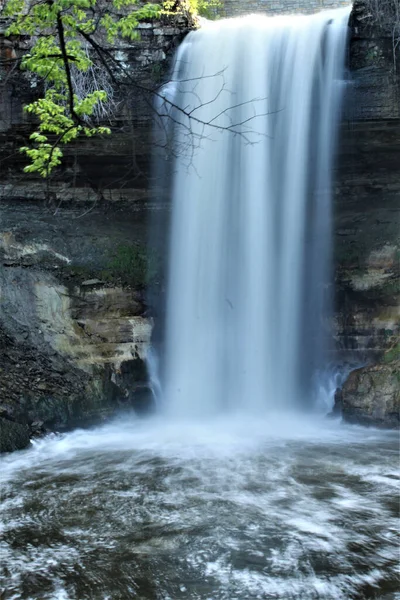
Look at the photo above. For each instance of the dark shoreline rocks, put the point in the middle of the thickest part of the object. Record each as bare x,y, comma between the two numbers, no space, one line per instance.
13,436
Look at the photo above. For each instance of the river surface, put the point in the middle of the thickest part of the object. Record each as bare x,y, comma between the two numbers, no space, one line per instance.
224,510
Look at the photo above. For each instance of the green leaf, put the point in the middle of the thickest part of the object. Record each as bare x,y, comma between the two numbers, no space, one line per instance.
64,112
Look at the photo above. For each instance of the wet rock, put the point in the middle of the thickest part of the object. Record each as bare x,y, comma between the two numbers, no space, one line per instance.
38,428
42,395
13,436
371,395
337,406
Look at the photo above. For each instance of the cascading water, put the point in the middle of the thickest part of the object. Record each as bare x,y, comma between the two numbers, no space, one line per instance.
255,104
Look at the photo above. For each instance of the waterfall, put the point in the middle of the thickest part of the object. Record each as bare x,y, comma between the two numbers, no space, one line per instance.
251,115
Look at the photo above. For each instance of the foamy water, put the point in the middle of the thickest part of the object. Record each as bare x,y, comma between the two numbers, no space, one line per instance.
233,508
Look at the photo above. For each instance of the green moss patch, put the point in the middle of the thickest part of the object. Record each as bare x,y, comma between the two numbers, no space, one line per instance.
133,265
392,354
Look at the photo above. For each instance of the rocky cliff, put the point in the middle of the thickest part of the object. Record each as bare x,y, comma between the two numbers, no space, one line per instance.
74,330
367,212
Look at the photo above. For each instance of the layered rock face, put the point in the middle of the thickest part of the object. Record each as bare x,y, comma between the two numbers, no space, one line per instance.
235,8
367,231
73,332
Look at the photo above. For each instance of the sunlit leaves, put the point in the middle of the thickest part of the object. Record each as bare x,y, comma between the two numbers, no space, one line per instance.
62,32
56,128
45,60
63,114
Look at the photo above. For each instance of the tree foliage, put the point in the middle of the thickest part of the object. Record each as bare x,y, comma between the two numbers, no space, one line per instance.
61,32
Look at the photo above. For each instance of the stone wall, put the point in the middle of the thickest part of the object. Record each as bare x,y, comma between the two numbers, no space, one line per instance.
234,8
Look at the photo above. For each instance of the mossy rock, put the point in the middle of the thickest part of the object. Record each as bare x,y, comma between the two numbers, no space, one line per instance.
393,354
133,265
